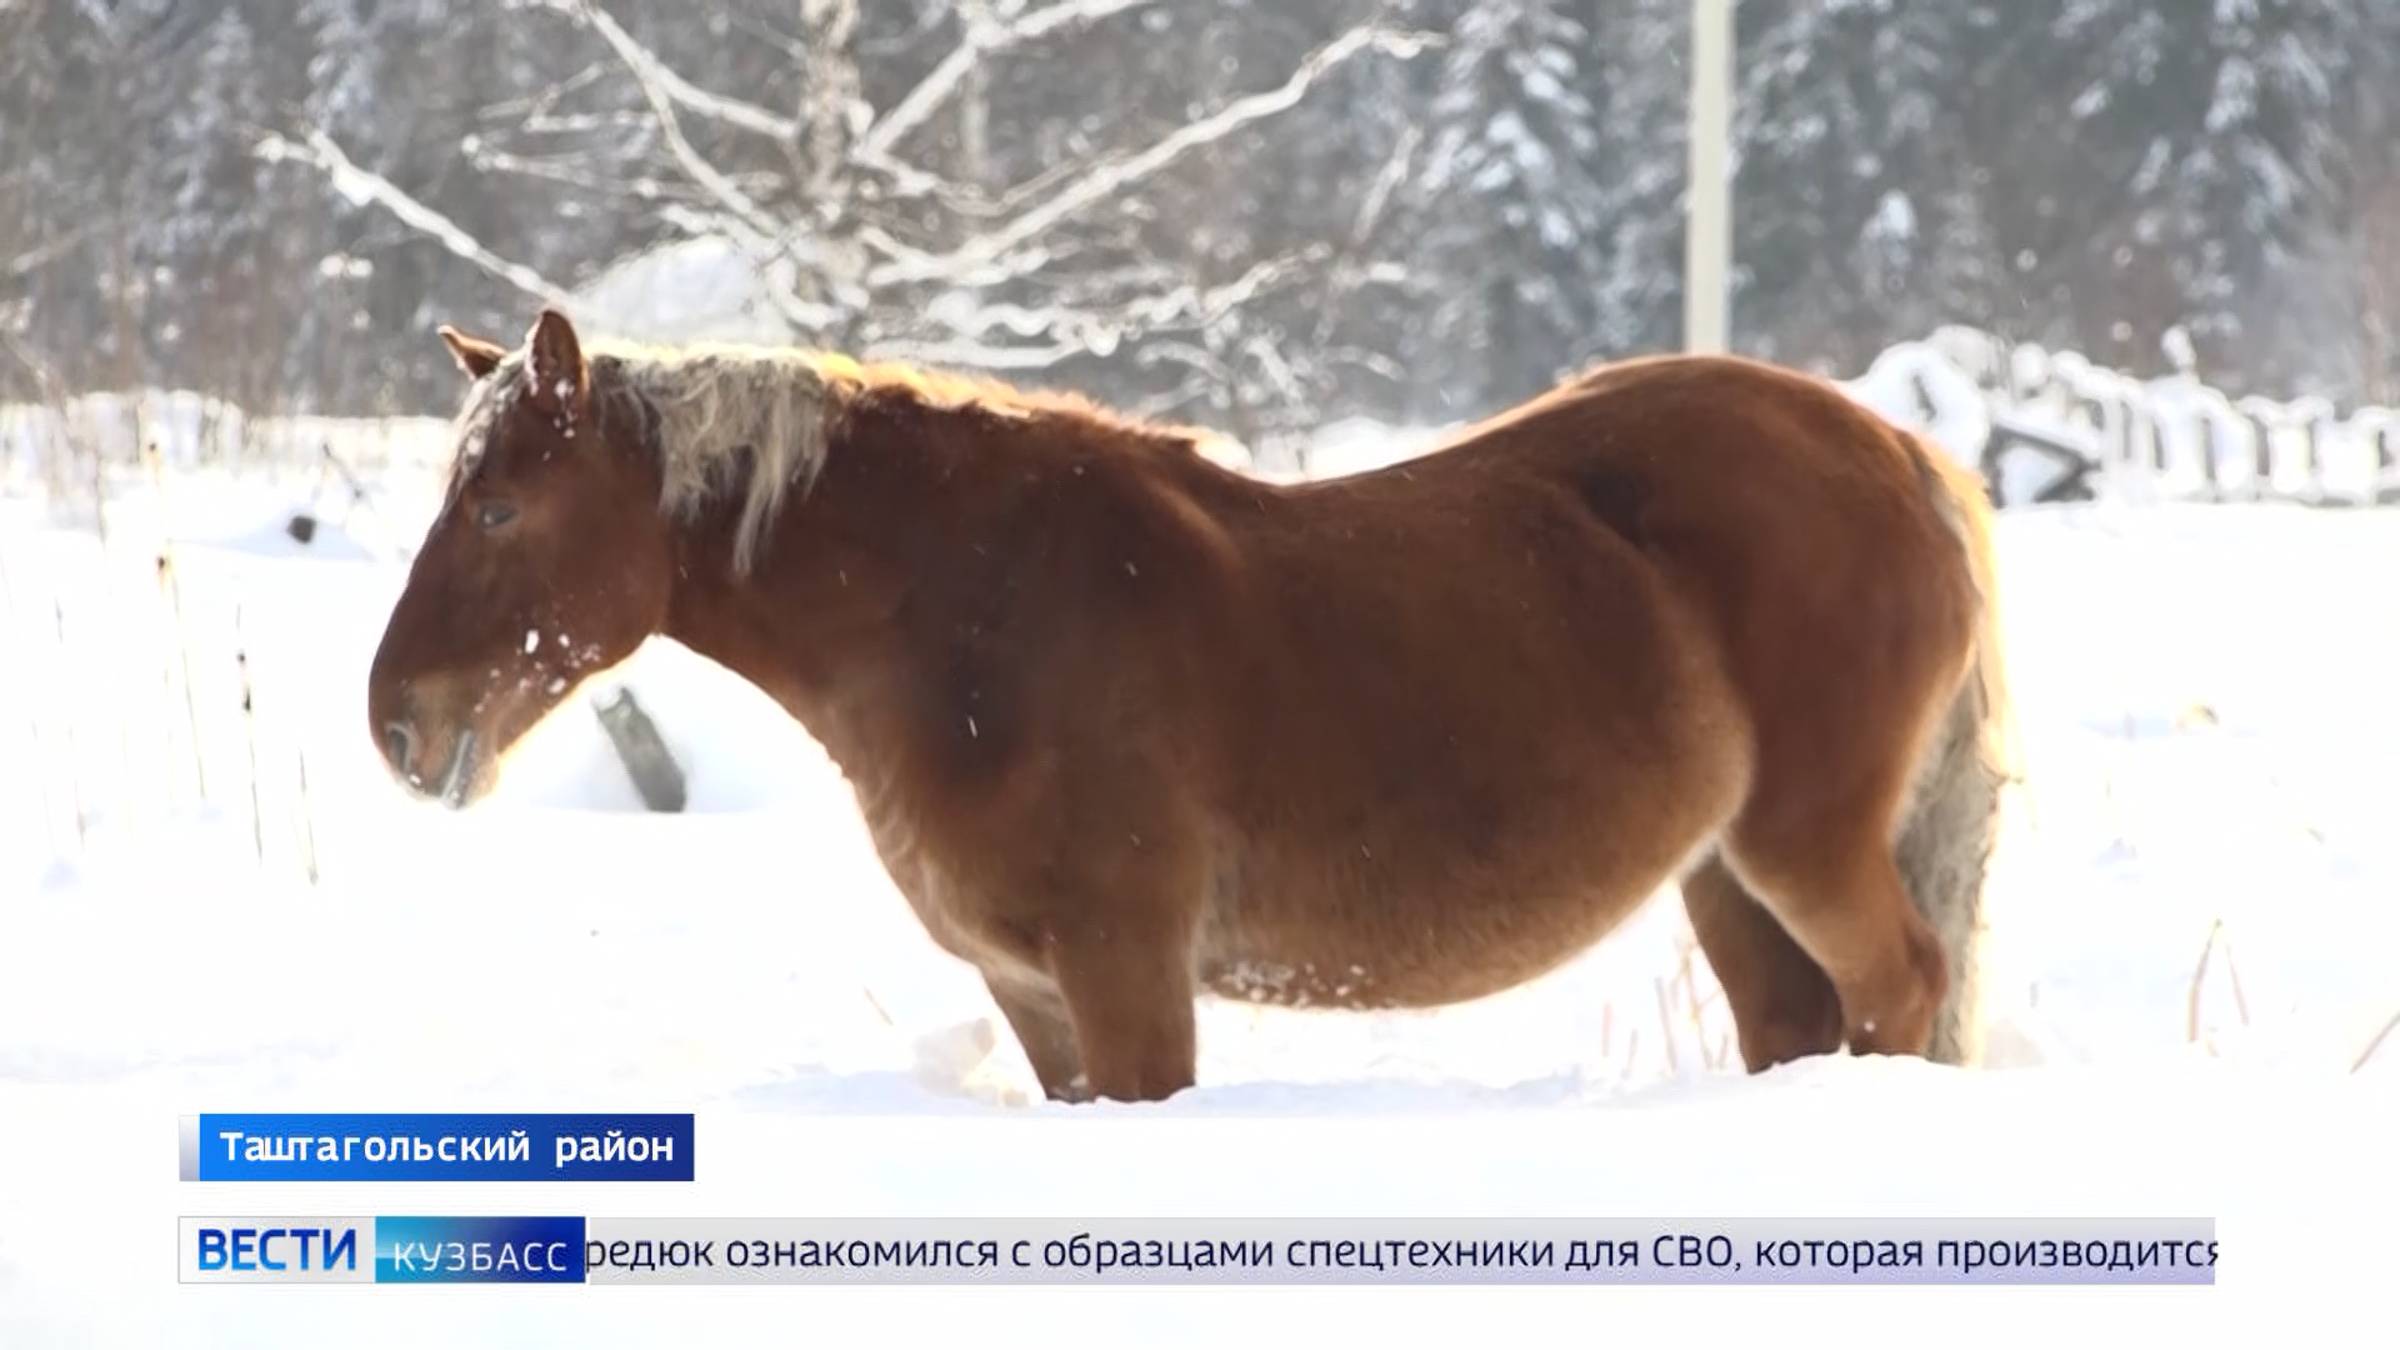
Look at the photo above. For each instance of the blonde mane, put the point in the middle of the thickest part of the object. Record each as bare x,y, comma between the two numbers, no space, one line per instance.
729,419
724,419
720,419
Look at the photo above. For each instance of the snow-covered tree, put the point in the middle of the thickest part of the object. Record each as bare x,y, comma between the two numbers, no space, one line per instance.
1515,211
1224,209
2202,142
861,239
1860,215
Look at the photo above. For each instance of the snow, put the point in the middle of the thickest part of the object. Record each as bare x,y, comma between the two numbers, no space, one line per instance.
1895,218
1357,445
185,428
2191,944
1917,385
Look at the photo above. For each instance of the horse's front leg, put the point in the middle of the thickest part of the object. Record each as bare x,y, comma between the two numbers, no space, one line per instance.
1126,983
1039,1018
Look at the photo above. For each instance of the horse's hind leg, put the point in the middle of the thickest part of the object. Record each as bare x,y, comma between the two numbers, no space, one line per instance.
1833,883
1784,1007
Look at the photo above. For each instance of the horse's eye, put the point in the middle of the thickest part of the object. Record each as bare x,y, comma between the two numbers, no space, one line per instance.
493,515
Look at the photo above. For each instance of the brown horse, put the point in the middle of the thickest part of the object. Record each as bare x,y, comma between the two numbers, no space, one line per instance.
1128,727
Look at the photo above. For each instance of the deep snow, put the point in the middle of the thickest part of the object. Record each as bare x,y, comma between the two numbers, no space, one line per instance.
2207,700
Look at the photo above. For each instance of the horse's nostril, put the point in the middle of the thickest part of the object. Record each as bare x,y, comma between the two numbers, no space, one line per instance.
400,743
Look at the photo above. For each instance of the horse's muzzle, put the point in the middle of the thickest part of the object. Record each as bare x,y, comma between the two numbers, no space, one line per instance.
399,746
452,782
461,774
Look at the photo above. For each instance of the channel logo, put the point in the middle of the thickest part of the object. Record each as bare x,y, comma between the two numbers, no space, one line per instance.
406,1249
278,1251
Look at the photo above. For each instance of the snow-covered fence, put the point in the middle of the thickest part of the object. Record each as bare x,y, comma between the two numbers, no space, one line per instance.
188,430
94,455
2053,426
2048,426
2042,426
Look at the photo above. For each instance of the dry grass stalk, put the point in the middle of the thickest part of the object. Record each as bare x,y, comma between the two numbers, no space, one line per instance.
2217,941
1666,1026
58,614
241,661
170,584
308,820
2376,1043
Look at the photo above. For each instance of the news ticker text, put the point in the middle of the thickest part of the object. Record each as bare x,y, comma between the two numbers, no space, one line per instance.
577,1250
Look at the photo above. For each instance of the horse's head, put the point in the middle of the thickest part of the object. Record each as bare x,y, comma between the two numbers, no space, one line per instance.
549,561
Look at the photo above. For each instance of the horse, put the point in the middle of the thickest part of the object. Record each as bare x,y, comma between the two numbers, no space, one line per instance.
1129,727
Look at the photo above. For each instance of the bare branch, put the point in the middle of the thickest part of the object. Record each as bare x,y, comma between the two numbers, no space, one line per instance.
973,202
562,170
569,124
539,103
977,355
367,188
1105,180
1348,275
1364,359
1189,307
1277,368
1186,354
1262,277
1387,180
979,333
656,76
43,254
1167,401
44,374
656,83
832,102
983,37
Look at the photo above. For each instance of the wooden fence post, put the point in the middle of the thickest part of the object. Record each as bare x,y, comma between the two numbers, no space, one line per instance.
642,750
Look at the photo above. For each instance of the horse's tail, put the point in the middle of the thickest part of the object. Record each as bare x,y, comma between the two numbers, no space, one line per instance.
1952,822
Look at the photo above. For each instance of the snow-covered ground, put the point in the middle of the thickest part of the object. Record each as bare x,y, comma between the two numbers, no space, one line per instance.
2194,941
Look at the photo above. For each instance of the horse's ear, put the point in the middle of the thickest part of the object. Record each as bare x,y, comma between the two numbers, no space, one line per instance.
474,355
554,372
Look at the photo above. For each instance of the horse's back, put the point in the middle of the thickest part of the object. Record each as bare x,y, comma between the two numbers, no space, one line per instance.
1488,699
1763,499
1459,704
1822,543
1818,543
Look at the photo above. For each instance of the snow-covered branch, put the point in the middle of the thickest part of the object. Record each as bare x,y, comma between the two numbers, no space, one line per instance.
658,76
366,187
984,37
776,263
977,332
41,255
978,355
1202,308
833,106
997,287
659,87
1387,181
44,374
1110,177
566,170
538,106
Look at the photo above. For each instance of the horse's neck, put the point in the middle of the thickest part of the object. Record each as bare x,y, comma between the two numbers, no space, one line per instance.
890,518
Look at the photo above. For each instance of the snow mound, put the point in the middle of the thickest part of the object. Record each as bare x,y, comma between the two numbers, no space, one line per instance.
705,288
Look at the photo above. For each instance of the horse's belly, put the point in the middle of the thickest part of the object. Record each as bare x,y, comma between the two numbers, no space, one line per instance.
1416,955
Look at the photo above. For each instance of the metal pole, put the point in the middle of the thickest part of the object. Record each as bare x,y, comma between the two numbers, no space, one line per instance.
1708,233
